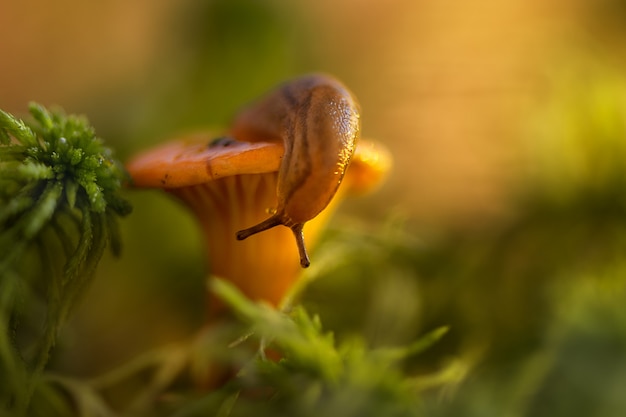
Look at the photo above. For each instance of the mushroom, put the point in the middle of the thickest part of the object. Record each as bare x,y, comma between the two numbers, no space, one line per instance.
230,184
282,164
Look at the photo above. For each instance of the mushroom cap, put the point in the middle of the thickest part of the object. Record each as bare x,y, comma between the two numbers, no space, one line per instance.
370,164
199,158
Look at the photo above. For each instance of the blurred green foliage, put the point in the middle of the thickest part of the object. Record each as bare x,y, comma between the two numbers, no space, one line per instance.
541,296
315,375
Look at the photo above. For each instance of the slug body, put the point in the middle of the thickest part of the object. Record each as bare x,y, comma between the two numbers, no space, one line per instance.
317,119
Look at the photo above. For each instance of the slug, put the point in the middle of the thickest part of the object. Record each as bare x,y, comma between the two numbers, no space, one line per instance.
317,119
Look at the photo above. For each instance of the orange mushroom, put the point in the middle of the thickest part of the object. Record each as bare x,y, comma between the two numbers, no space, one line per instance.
230,184
282,164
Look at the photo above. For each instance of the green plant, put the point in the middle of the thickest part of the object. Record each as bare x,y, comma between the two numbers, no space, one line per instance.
59,206
314,374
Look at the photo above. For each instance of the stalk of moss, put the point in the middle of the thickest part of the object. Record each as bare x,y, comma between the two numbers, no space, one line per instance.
59,189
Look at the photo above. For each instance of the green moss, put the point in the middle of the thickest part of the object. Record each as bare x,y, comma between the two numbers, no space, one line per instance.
59,194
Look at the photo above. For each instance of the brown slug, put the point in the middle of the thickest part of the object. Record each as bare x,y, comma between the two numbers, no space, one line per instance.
317,119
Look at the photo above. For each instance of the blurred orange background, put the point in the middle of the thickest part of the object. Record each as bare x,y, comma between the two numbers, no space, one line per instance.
447,85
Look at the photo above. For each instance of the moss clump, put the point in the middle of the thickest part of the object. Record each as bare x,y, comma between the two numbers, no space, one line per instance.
59,199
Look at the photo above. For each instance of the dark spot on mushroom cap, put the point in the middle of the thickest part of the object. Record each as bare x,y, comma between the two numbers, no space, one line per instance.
223,141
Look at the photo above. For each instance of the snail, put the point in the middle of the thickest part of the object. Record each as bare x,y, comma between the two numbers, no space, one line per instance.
317,119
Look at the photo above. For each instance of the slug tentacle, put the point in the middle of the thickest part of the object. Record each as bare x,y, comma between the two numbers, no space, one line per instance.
317,119
264,225
299,235
277,220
